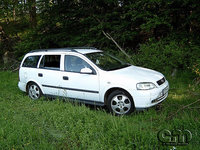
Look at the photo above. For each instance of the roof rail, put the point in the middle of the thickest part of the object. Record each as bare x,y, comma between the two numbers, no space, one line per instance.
53,49
71,49
82,47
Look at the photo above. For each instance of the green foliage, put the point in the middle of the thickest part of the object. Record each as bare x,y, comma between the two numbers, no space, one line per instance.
28,43
196,69
45,124
174,26
166,54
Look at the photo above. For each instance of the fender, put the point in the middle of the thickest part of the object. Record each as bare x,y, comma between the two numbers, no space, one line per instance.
106,88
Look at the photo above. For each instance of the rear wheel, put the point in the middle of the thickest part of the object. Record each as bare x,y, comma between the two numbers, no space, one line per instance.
34,91
120,103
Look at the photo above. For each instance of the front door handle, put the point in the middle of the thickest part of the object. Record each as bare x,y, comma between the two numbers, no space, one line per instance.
65,78
40,75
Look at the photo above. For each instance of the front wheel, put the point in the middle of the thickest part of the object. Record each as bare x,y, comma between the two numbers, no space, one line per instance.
34,91
120,103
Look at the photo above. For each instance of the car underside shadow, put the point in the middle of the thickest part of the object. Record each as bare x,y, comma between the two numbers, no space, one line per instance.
75,102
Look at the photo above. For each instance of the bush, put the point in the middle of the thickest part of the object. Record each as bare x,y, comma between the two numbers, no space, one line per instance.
196,69
29,41
166,55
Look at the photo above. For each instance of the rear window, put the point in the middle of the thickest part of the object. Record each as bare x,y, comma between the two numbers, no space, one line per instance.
50,62
31,61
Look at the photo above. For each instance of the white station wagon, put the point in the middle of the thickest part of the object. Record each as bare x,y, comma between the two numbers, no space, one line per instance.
91,76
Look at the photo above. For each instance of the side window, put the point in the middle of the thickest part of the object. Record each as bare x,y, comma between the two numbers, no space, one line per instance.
50,62
75,64
31,61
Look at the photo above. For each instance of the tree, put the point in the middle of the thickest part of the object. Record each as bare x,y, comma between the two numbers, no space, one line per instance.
32,13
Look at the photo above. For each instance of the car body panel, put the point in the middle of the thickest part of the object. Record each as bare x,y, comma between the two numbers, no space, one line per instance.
93,87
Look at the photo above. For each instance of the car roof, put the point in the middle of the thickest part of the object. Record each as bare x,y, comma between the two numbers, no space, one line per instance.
82,50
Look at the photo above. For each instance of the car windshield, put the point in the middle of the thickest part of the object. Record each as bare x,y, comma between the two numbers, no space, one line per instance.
106,61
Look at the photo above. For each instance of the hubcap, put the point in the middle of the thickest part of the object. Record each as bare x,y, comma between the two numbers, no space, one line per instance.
34,92
120,104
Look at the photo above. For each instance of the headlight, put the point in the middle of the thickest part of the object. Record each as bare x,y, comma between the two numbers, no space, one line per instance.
145,86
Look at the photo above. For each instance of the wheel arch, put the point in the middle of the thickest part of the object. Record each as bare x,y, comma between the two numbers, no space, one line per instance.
109,91
29,82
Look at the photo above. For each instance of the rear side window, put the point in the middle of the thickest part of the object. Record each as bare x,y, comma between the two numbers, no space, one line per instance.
50,62
31,61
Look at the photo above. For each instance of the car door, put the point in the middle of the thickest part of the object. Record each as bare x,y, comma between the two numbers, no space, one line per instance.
48,74
78,85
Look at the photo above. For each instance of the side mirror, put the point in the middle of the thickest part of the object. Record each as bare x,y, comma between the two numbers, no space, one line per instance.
86,71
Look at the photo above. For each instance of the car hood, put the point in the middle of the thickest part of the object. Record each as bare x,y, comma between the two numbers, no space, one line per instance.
136,74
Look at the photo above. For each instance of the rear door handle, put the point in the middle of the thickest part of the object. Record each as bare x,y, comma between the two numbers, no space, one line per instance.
40,75
65,78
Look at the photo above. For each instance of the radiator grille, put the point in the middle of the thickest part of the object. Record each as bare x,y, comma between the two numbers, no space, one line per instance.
161,81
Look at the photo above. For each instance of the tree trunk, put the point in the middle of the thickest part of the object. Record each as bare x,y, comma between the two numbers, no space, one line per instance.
14,9
14,14
32,13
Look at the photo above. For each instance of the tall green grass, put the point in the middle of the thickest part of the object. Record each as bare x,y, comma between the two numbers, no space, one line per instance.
55,124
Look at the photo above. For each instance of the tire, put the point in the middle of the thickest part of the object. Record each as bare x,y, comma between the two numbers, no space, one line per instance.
120,103
34,91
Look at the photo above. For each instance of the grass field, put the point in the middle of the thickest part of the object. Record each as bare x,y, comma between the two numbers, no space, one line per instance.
54,124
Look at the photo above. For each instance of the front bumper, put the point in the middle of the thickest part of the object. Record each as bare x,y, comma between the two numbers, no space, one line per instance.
147,98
